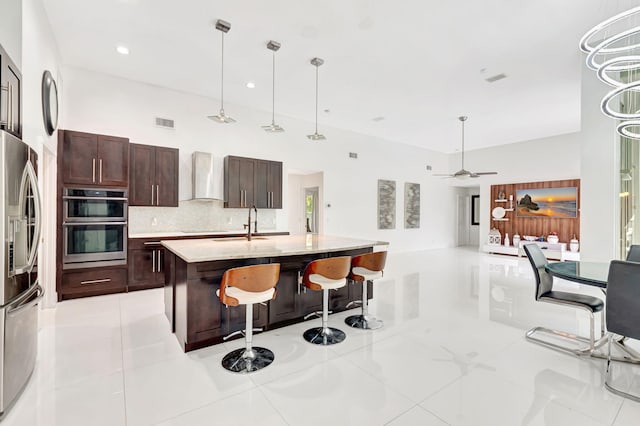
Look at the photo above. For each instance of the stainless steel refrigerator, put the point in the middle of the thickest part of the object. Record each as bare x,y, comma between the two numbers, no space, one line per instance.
20,292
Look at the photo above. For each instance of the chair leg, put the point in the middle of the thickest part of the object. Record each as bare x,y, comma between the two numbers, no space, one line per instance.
608,378
248,359
364,321
589,343
324,335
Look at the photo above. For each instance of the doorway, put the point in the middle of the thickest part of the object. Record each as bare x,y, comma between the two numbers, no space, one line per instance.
311,199
305,201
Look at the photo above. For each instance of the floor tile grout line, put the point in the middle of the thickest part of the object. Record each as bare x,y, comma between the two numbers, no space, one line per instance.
124,387
284,419
401,414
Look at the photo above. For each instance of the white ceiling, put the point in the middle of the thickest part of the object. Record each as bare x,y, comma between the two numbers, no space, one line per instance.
417,63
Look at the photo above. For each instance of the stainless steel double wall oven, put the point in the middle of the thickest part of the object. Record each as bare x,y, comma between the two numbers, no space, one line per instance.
94,227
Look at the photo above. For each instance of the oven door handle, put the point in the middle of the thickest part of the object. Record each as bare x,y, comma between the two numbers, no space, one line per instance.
77,197
92,223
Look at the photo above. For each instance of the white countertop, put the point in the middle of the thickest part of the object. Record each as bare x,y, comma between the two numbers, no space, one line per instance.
194,233
207,249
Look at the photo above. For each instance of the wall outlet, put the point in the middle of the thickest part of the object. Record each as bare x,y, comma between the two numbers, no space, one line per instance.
154,221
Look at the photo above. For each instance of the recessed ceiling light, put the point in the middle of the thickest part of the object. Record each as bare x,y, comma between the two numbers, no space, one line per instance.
380,118
123,50
251,85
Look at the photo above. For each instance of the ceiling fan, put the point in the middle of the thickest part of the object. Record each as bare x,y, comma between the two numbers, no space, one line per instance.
462,173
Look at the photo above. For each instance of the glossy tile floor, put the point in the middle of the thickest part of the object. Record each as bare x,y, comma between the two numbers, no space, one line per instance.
452,352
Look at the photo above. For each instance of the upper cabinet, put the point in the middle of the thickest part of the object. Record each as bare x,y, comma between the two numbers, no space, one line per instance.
10,95
154,176
248,182
94,160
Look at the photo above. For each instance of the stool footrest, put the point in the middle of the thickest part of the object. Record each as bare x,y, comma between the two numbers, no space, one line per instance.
243,332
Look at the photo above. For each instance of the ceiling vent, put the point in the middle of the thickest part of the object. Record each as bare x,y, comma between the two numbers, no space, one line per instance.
165,122
496,77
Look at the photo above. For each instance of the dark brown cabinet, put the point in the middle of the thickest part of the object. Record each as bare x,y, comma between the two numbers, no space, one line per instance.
94,160
268,187
154,176
10,95
248,182
145,260
93,282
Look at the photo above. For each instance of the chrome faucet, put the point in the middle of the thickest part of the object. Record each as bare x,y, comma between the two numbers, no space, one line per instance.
248,224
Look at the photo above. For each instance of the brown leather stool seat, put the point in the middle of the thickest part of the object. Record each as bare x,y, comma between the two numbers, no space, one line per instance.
366,268
324,275
245,286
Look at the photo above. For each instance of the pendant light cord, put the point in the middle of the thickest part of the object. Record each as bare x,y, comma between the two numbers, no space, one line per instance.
316,99
462,144
222,77
273,92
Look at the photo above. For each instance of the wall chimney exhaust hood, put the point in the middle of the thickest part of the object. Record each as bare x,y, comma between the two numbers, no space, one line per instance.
207,177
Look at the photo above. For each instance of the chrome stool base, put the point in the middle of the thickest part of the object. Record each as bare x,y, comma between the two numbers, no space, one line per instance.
320,336
364,322
243,361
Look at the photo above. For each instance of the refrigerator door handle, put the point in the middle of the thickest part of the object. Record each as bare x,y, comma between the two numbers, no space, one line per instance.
29,178
20,306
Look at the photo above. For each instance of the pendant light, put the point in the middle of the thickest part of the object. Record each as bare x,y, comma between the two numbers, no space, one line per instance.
273,127
316,62
223,27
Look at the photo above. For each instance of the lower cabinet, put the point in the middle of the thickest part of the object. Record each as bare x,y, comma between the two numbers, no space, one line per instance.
146,264
93,282
199,319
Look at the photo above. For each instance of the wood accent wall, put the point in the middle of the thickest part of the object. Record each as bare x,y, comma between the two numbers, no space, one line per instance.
538,226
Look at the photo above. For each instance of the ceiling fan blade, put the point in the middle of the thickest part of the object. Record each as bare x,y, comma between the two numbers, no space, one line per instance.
442,175
485,173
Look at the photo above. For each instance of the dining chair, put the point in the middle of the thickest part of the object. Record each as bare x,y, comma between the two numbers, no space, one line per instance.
546,293
634,253
623,312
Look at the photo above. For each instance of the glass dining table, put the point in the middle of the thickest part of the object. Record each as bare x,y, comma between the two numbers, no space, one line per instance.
589,273
594,274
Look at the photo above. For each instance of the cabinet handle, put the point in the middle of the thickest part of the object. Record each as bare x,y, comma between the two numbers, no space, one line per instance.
151,194
93,169
159,261
153,261
100,167
151,243
88,282
157,195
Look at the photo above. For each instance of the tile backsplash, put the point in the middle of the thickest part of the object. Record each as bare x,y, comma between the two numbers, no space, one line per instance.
196,216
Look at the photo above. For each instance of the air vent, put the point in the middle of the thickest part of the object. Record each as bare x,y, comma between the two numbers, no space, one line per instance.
428,167
353,155
496,77
165,122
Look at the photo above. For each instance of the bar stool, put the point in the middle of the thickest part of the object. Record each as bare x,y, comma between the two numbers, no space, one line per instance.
366,268
245,286
326,274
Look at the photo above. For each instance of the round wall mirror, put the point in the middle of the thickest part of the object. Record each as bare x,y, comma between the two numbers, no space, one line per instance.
49,102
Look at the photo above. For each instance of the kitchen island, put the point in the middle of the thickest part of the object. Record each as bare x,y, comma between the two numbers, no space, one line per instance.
194,269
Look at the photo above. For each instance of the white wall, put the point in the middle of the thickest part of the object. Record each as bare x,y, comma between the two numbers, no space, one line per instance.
553,158
11,29
103,104
599,154
40,53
